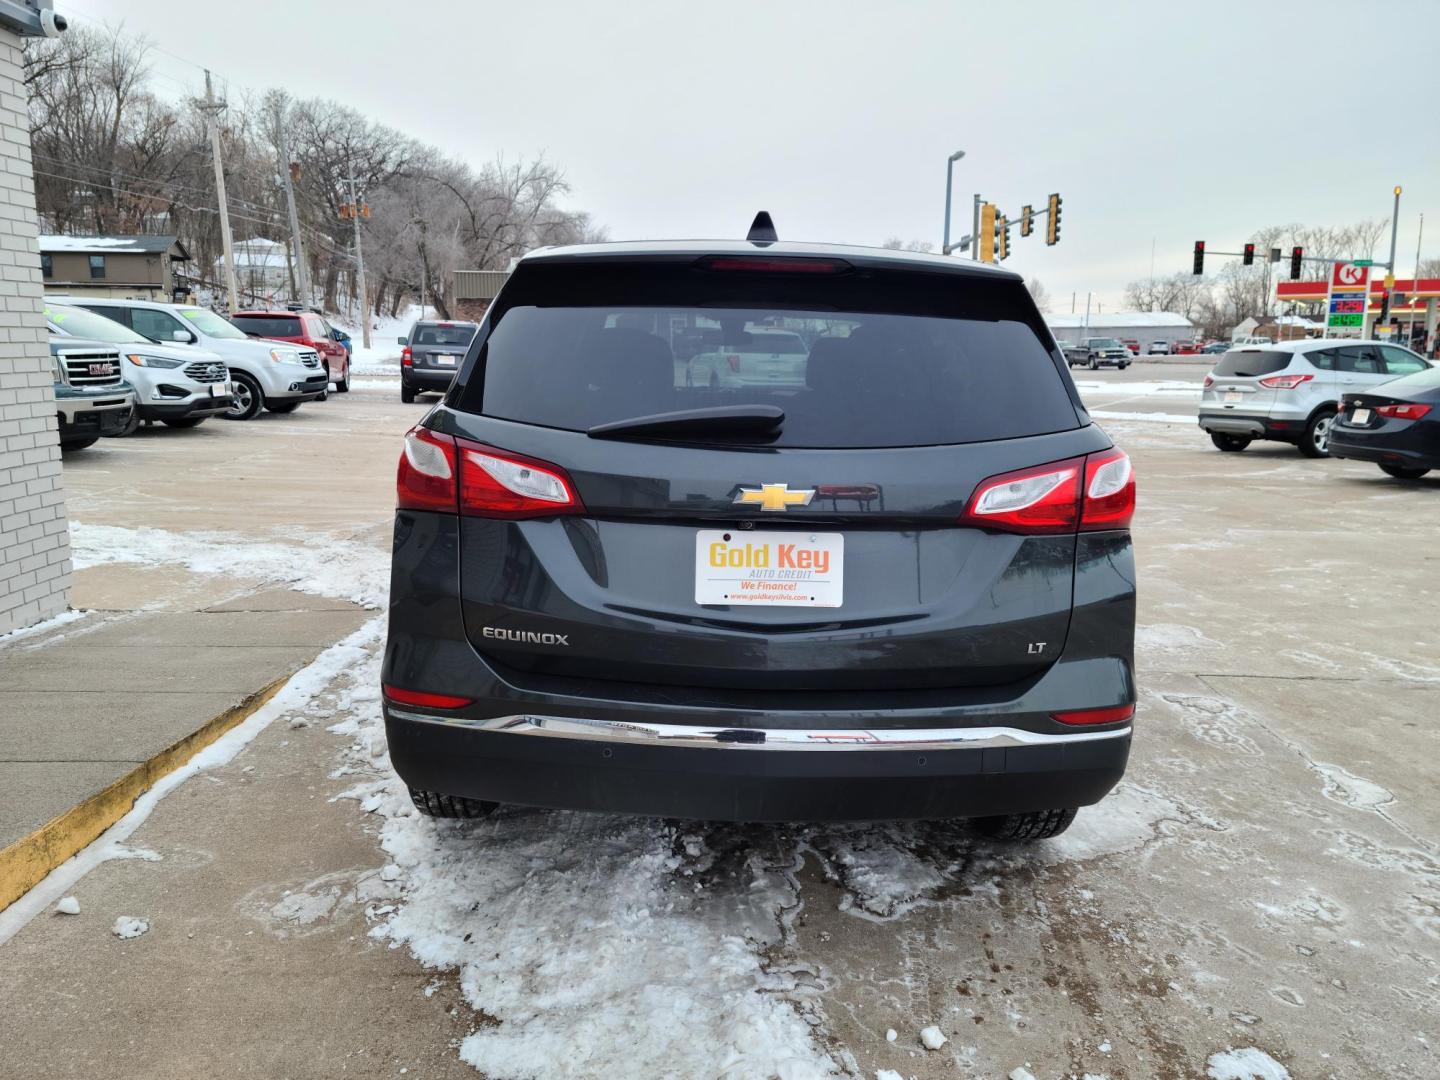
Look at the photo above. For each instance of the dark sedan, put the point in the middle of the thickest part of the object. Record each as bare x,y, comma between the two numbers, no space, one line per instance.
1396,425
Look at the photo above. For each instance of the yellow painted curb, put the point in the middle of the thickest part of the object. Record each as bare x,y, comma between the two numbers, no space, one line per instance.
25,863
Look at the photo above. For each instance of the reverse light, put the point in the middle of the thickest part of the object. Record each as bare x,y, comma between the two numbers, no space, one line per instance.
423,699
499,484
1403,412
1110,715
1285,382
1044,499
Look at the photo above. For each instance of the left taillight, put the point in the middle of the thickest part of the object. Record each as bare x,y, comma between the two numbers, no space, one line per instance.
426,477
1089,494
407,357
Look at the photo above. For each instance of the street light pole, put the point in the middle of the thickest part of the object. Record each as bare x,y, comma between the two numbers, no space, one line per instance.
949,183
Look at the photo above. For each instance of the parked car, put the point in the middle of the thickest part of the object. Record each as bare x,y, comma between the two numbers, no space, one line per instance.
92,399
1288,391
262,374
1159,348
1093,352
1216,347
303,328
181,387
1131,344
745,355
1184,348
431,355
903,590
1396,425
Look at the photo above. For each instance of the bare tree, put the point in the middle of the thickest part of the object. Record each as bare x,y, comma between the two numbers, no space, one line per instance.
1039,294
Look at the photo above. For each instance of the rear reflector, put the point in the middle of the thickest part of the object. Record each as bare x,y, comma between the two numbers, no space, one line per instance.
753,265
1112,715
424,700
1285,382
1403,412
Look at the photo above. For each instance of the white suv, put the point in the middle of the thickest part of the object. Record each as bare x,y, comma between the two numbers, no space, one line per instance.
1288,391
264,374
176,385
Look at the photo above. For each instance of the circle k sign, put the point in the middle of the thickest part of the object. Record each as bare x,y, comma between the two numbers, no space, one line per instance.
1349,276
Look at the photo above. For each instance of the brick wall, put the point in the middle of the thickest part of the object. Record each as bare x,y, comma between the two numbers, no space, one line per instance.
34,534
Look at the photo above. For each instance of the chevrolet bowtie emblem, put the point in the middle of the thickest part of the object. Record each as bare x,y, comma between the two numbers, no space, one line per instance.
774,497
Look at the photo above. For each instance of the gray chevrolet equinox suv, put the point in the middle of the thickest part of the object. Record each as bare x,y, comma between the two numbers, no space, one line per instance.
903,588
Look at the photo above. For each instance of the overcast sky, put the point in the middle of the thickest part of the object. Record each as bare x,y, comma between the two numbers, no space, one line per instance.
1159,123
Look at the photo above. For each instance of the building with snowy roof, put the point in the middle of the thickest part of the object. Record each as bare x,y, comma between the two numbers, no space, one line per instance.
262,267
1145,327
124,267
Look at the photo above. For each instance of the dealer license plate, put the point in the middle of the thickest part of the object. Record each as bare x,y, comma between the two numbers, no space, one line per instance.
445,361
1232,396
1360,416
219,389
773,569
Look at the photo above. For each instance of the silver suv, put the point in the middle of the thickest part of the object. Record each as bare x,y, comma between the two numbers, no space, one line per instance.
1287,391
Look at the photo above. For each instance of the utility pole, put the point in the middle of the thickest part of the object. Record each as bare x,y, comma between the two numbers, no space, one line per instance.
1390,267
212,108
297,249
360,267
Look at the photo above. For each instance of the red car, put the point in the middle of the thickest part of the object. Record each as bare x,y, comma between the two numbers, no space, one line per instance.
1185,348
1131,344
301,328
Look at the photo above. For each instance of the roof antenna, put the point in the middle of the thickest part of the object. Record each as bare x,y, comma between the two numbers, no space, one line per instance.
762,229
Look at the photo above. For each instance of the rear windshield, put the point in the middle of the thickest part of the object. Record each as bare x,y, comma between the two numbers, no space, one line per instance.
865,359
458,334
1418,383
1243,362
269,325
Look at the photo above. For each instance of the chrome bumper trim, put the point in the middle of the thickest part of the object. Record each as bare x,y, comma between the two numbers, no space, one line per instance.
912,739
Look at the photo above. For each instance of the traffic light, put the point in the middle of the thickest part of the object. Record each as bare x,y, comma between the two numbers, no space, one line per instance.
986,239
1296,253
1249,259
1002,237
1026,222
1052,221
1274,255
1199,257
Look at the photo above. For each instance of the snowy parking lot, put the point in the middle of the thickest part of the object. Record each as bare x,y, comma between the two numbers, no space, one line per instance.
1259,898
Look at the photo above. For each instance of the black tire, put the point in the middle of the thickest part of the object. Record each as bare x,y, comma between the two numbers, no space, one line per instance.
433,804
134,424
282,406
1040,825
1229,443
1124,364
406,394
78,444
248,398
185,421
1403,472
343,387
1315,443
1094,364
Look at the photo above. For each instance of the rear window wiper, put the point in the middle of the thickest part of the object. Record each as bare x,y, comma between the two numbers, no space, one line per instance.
720,420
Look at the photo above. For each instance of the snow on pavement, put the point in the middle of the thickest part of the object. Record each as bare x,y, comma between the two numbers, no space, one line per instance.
1247,1063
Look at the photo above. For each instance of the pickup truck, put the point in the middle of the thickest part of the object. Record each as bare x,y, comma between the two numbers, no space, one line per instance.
1092,352
91,397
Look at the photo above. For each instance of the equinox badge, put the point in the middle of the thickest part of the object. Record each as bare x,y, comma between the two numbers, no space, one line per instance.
774,497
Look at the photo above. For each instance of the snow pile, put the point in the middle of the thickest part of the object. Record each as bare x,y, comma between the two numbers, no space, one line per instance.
68,905
1247,1063
340,569
932,1038
383,356
41,627
128,926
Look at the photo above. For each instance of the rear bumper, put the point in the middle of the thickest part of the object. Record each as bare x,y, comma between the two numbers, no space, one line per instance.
975,773
433,379
1252,426
1398,449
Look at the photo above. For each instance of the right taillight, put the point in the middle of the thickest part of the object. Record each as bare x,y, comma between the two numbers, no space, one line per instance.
1089,494
1109,500
1403,412
734,362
